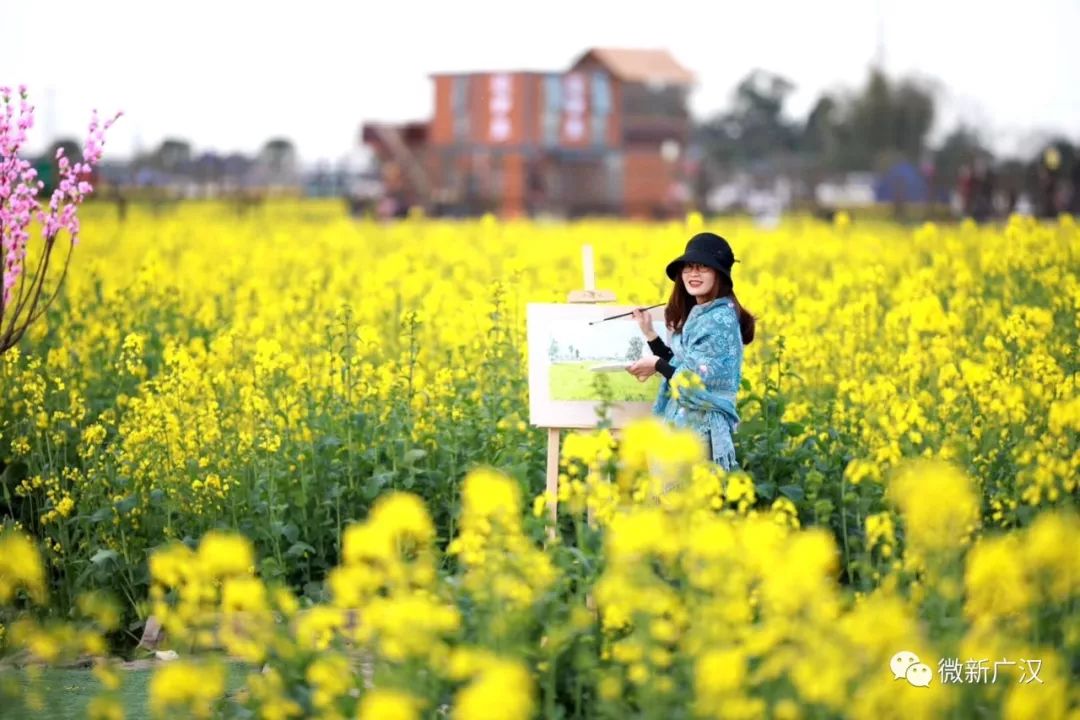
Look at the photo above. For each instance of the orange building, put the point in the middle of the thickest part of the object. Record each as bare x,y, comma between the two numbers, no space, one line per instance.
604,137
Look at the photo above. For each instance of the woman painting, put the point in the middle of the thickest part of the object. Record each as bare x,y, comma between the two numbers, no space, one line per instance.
703,367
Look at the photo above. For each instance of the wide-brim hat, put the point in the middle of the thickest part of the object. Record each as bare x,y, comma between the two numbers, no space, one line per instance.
708,249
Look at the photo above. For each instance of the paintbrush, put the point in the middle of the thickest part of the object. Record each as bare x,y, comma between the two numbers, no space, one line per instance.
627,314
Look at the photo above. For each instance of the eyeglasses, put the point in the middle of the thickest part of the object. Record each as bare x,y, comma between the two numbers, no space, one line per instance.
688,269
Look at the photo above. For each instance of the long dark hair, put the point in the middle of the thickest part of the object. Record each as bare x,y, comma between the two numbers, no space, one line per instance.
681,302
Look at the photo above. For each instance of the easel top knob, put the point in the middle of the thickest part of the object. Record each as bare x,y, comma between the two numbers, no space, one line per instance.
590,296
588,276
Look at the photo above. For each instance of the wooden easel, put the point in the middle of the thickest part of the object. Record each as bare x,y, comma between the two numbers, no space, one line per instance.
588,295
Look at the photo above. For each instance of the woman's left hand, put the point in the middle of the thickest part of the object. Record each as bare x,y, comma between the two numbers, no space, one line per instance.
644,368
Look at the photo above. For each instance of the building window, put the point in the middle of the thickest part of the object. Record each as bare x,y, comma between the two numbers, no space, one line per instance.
575,119
460,106
500,107
641,100
601,93
599,130
552,108
601,107
553,93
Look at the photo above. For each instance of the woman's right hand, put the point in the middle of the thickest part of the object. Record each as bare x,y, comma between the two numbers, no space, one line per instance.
644,321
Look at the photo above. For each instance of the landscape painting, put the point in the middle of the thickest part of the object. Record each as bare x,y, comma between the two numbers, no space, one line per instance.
567,353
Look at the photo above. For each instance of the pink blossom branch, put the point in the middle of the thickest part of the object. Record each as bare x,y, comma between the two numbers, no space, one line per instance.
21,303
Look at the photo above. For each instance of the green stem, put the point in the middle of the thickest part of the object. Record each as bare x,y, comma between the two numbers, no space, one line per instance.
549,695
843,519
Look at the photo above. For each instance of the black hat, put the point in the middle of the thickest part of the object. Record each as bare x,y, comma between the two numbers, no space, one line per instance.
708,249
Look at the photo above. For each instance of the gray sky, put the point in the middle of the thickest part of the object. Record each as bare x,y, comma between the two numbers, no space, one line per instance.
229,74
608,339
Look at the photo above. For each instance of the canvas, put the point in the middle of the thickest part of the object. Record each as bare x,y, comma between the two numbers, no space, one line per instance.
566,354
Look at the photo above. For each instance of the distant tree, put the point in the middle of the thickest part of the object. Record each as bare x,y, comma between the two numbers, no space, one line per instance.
173,156
819,134
553,350
636,348
47,166
755,127
72,149
886,121
278,159
870,119
913,110
819,139
960,147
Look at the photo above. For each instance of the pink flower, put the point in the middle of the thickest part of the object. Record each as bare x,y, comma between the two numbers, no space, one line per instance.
19,188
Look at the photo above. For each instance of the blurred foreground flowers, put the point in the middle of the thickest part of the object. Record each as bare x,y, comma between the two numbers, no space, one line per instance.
679,600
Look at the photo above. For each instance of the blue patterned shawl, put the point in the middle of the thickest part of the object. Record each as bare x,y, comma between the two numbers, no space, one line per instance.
710,345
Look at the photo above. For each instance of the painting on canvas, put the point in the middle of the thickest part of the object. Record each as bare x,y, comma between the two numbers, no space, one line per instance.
566,353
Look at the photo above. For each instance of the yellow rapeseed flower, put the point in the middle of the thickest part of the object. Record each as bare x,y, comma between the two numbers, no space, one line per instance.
20,568
503,690
185,687
221,554
388,704
939,506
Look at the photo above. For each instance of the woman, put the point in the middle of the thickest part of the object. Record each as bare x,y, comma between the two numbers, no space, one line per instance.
708,329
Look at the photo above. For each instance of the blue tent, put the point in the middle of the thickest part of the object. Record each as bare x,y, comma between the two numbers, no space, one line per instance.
903,182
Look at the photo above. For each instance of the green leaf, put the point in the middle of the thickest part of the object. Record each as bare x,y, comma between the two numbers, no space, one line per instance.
101,515
127,504
269,568
1025,514
102,556
377,482
794,492
298,549
414,455
766,490
290,532
328,442
14,473
315,591
583,560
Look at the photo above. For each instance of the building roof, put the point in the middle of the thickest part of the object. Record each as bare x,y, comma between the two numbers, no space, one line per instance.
488,72
640,65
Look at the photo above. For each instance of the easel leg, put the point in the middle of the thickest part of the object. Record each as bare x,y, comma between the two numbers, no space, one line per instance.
553,479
